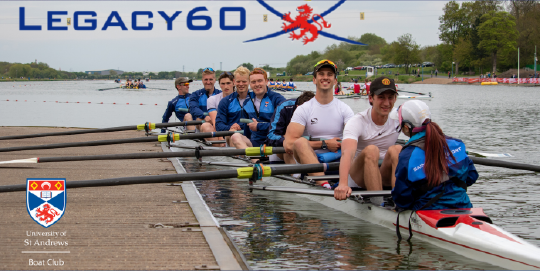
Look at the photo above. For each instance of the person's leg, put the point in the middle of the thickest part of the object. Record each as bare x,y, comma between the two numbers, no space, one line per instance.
287,158
388,166
304,154
240,142
208,128
188,117
365,170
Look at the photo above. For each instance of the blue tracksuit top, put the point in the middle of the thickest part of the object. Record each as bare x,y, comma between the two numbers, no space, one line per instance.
266,110
411,178
198,102
181,101
279,122
229,113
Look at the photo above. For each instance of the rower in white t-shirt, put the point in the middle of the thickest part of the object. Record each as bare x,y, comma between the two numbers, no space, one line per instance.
368,137
322,117
226,85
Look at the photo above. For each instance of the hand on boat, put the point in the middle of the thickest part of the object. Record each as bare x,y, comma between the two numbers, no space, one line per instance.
342,192
253,125
333,144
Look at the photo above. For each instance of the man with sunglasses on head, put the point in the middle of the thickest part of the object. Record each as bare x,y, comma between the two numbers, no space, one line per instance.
259,107
198,99
226,82
321,117
179,104
370,136
230,108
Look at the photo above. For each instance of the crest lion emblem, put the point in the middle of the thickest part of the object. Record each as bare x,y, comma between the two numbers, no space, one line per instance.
301,21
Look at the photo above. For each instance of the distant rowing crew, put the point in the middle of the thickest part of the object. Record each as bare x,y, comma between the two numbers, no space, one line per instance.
358,141
135,84
282,86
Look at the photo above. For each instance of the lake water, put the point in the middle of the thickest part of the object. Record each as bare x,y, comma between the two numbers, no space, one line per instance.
281,231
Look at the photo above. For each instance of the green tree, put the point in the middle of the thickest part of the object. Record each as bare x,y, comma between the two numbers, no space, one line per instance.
498,34
249,66
406,51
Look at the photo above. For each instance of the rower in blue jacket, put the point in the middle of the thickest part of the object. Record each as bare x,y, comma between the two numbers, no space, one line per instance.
198,99
259,107
433,170
179,104
230,109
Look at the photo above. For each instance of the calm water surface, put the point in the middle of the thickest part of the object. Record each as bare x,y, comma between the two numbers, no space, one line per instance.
283,231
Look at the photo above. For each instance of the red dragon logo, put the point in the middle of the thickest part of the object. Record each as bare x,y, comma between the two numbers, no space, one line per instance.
46,214
301,21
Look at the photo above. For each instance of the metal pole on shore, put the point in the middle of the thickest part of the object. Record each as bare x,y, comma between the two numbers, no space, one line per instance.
518,52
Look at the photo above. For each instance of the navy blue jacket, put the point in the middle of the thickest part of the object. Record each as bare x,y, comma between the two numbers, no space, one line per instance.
181,101
198,102
410,190
229,113
279,122
266,111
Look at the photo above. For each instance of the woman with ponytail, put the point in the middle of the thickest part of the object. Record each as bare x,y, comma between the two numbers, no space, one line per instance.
433,170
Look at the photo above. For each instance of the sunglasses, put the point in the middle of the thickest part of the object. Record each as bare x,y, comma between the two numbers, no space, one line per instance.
325,61
185,84
208,69
226,73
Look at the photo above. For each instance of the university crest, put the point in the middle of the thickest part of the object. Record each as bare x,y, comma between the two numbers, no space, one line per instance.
46,200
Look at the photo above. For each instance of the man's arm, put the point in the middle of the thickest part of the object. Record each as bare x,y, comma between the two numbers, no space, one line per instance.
167,115
294,132
221,116
349,147
194,106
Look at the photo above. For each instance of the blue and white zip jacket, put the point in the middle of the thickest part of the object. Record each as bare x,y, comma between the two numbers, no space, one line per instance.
266,111
410,190
279,122
198,102
229,113
179,102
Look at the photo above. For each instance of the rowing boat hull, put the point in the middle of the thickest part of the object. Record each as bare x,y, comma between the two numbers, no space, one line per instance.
466,233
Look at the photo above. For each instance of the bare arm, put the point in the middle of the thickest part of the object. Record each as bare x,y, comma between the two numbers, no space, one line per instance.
294,131
349,147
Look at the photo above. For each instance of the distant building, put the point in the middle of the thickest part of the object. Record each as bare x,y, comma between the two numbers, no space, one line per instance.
105,72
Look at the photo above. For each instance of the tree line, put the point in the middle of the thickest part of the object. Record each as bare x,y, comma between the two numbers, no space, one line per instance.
479,36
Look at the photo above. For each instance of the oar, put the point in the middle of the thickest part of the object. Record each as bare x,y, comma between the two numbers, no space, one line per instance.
251,151
147,126
172,137
102,89
240,173
250,121
157,88
505,164
320,192
186,110
418,93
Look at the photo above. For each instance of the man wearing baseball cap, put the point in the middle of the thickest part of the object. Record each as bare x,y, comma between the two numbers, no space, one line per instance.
180,104
370,136
321,117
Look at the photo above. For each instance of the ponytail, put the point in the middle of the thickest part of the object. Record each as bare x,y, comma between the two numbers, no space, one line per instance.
437,154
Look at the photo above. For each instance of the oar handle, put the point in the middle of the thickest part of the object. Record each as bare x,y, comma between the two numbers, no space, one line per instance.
186,110
250,121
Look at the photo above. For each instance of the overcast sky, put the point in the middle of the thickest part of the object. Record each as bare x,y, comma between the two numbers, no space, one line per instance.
181,48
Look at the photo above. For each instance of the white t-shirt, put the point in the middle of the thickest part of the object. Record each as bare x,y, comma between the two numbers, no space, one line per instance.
214,101
362,129
323,120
